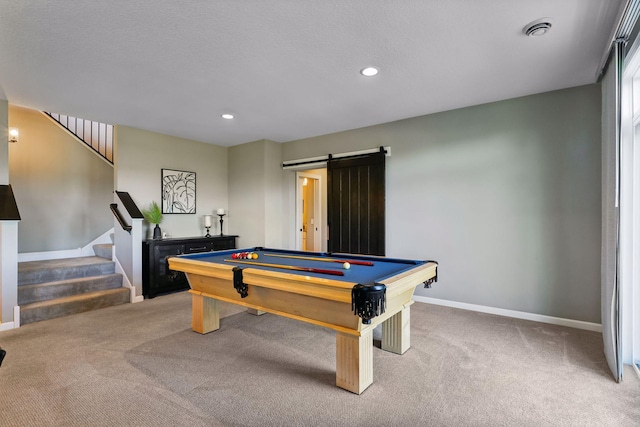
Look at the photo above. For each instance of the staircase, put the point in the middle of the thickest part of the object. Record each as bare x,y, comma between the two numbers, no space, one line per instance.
95,135
55,288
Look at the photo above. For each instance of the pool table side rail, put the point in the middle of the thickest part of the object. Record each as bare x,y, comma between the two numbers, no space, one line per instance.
340,255
410,279
324,313
351,329
332,313
222,271
311,285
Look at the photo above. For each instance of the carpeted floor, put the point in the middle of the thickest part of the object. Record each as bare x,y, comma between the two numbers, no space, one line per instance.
140,364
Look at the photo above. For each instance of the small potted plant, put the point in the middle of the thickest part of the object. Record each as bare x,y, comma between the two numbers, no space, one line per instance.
153,215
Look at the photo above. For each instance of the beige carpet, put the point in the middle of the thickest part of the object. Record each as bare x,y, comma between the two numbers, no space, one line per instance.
140,364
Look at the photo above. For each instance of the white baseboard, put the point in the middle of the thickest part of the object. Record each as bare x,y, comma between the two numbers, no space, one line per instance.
578,324
42,256
16,316
103,238
6,326
16,320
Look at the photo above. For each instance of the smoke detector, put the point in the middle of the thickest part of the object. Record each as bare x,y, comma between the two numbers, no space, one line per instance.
537,28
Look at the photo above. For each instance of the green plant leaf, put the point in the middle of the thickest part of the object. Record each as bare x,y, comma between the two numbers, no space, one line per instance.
153,215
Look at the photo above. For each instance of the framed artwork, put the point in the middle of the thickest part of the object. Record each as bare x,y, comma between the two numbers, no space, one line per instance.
178,192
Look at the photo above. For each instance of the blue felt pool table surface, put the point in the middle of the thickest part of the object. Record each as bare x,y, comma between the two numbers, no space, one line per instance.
382,267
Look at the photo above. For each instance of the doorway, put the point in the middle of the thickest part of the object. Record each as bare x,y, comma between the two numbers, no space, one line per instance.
309,207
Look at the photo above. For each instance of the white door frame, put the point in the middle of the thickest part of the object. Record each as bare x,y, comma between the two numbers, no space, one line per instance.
630,210
317,212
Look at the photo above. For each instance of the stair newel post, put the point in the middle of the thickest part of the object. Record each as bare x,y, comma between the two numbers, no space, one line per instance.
9,309
9,219
128,244
137,236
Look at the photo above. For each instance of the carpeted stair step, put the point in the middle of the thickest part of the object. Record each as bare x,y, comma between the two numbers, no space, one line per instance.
28,294
103,250
59,307
33,272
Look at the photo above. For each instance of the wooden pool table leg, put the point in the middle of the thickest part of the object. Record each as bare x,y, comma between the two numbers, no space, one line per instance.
396,332
205,316
255,311
354,361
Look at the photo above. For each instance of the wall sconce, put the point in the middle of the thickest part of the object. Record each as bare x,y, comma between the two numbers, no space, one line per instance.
13,134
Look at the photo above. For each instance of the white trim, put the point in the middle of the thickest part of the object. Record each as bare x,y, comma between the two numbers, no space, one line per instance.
125,280
105,237
578,324
320,159
87,250
6,326
16,316
620,17
41,256
318,209
315,165
318,222
629,209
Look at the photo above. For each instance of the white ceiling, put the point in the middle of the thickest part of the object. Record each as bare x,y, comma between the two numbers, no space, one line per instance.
289,69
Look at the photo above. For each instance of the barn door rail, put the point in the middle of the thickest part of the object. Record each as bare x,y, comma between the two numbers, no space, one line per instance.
321,161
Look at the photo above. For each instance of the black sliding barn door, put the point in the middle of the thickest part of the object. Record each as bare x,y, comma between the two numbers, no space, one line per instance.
355,204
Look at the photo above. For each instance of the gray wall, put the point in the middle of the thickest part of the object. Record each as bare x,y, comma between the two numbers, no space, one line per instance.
63,190
140,156
274,195
4,144
505,196
255,193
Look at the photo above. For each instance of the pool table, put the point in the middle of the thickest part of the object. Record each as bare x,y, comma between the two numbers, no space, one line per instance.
352,301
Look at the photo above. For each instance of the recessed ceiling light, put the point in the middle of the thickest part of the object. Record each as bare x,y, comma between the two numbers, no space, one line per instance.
369,71
227,116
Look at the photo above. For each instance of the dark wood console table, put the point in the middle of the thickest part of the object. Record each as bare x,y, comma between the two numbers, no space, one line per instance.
156,276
